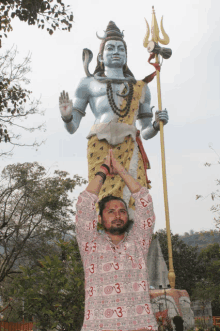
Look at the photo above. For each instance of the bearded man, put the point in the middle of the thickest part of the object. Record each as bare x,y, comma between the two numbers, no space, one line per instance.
115,261
117,100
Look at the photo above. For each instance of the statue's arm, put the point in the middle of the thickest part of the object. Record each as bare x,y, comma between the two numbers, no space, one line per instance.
145,115
73,111
149,127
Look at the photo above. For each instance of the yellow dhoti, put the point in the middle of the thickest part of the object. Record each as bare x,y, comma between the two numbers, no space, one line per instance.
127,153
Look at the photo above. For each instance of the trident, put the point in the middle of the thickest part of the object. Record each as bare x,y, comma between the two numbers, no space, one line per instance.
155,49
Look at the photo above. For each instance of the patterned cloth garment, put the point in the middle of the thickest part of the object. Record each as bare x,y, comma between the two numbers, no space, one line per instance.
120,136
116,278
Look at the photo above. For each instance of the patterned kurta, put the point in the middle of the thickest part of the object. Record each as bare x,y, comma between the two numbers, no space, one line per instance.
116,278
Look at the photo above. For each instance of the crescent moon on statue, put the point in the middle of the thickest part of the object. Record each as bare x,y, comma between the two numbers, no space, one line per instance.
104,36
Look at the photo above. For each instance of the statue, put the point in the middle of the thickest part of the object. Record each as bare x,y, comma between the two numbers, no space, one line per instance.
117,100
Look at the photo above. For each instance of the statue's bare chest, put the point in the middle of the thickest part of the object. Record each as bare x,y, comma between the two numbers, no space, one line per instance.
99,100
98,89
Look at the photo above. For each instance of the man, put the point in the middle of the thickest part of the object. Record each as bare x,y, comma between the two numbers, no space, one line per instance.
117,100
116,278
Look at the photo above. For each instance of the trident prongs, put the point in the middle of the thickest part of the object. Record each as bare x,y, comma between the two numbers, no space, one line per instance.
155,32
146,38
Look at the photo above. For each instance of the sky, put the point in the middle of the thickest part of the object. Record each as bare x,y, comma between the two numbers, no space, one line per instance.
189,86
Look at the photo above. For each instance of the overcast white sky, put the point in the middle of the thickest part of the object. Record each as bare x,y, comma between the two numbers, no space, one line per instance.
190,92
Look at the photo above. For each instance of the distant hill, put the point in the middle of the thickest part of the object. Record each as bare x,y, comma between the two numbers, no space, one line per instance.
202,239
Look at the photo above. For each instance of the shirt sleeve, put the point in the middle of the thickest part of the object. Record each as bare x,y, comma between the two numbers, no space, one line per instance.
86,220
144,218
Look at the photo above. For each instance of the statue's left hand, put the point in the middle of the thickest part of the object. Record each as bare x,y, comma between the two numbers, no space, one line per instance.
161,115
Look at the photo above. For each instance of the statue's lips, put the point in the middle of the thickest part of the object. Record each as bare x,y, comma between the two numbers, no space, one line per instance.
116,58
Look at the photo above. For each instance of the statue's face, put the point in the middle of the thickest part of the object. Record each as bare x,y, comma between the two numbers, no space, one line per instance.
114,54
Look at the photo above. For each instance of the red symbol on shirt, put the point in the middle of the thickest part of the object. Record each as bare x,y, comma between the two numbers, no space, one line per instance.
147,308
109,313
115,266
91,268
93,224
88,315
91,291
119,312
107,266
108,289
87,247
139,309
144,202
94,247
143,284
117,288
149,223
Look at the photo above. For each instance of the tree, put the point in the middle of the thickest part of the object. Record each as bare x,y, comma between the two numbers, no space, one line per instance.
50,13
53,292
16,104
204,291
209,258
215,195
185,261
35,208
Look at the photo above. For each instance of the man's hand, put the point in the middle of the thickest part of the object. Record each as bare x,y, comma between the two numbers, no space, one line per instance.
161,116
115,167
66,105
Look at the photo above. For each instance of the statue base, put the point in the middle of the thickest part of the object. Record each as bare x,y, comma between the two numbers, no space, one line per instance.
171,302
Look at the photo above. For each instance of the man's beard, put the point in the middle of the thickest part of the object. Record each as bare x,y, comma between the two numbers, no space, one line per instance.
117,230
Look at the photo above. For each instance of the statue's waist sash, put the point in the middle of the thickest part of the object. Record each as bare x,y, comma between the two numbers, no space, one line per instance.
114,133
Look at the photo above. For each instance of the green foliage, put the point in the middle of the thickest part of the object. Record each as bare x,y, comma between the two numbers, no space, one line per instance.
50,14
186,267
201,239
53,292
214,328
35,208
209,287
204,291
16,103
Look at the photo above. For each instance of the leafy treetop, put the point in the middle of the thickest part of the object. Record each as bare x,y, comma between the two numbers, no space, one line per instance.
51,14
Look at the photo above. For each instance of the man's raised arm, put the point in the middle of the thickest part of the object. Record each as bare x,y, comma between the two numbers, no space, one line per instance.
86,216
117,168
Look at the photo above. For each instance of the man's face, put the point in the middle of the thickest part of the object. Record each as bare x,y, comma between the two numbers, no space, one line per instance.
114,54
114,217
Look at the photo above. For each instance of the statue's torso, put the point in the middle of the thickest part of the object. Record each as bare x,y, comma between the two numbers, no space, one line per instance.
98,100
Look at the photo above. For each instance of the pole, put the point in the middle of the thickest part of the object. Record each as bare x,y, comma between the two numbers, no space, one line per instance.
156,39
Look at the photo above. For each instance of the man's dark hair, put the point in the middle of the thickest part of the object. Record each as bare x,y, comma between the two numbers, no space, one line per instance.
104,200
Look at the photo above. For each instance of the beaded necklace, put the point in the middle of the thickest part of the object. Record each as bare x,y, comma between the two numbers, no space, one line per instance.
111,100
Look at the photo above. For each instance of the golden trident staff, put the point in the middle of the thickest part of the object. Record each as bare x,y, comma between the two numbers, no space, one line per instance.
154,48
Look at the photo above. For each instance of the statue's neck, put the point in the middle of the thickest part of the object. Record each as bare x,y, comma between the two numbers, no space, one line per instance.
114,72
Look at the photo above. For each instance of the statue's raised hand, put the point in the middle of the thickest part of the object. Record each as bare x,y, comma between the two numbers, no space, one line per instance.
66,105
